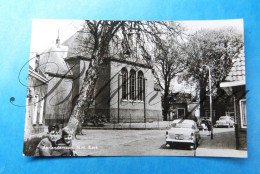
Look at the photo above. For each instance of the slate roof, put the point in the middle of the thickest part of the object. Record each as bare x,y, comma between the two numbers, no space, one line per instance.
52,60
37,74
74,44
37,71
237,72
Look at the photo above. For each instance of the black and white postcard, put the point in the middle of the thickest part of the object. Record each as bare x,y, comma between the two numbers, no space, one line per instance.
136,88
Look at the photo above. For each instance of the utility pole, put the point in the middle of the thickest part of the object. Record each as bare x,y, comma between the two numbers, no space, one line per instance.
210,102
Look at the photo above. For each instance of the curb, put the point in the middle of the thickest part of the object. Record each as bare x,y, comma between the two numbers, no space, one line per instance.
116,128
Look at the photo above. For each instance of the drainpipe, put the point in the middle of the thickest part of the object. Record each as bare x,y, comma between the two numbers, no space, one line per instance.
236,126
144,102
118,98
235,110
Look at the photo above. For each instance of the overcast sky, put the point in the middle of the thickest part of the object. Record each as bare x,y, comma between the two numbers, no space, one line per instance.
45,31
193,26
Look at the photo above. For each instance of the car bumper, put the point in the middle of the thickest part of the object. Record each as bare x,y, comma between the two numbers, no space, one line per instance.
179,141
219,125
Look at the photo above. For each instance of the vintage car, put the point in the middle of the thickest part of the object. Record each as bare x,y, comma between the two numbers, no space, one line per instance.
225,121
183,131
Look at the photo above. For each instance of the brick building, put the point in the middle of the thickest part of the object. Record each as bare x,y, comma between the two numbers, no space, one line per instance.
235,85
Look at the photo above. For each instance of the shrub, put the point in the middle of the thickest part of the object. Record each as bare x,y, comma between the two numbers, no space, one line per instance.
30,145
95,119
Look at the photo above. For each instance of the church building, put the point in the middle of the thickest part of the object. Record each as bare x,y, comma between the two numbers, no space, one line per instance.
125,90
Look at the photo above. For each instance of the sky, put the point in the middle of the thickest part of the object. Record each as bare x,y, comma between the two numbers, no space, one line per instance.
193,26
45,31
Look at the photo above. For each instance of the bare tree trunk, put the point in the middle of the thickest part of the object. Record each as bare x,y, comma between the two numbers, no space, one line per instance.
84,99
203,95
202,100
166,103
102,33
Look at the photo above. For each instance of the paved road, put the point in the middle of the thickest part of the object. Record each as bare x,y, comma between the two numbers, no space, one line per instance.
131,143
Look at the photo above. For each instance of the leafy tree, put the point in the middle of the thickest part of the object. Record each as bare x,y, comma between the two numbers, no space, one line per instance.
169,62
214,48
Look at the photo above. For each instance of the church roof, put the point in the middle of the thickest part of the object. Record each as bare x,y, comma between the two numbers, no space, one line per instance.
52,60
36,73
75,44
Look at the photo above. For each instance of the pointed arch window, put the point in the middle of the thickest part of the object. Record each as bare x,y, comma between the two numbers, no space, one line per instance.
124,83
140,86
132,85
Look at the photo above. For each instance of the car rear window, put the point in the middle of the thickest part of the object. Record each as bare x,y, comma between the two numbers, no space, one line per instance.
223,118
181,125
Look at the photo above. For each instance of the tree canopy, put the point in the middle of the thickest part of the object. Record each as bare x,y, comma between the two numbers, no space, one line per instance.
215,48
115,38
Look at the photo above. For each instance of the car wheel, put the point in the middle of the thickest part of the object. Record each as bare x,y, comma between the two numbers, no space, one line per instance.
194,146
169,145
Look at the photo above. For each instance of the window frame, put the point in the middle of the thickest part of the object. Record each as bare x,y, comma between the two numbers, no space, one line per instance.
124,93
35,110
41,111
132,85
140,86
242,113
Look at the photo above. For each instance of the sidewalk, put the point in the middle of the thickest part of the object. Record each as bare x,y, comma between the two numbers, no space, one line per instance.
223,144
135,126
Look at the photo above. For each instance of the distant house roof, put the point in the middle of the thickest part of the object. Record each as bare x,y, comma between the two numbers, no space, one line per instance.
157,87
237,75
180,97
38,75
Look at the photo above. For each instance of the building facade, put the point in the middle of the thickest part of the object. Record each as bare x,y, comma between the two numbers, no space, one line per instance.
35,102
125,90
183,106
235,86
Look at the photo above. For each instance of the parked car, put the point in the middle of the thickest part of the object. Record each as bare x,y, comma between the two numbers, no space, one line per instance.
225,121
183,131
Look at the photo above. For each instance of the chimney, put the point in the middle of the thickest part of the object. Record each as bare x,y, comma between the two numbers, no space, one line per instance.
37,62
58,40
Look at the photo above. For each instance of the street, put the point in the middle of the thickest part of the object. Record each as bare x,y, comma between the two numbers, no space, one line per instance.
149,143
